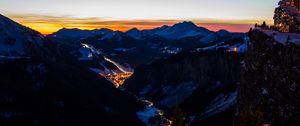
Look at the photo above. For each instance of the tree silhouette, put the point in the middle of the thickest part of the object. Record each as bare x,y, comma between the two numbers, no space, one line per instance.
264,25
288,39
179,117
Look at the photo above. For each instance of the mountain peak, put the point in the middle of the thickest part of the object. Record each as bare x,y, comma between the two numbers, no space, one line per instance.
102,31
223,32
68,29
187,24
6,23
133,29
135,33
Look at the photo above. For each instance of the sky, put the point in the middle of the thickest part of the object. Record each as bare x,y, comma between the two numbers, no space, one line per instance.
48,16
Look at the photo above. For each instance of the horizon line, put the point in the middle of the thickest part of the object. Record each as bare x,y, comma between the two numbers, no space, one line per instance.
50,24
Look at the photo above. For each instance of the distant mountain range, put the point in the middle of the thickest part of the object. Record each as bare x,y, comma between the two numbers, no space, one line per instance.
178,31
56,79
136,47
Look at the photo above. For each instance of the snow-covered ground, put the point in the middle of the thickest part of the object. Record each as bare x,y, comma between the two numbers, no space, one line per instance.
120,67
240,47
282,37
150,112
170,50
220,104
88,51
15,38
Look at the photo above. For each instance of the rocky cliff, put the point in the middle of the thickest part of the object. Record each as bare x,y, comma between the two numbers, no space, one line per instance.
269,91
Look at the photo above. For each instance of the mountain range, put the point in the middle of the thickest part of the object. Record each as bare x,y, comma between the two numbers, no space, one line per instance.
175,75
136,47
42,85
70,69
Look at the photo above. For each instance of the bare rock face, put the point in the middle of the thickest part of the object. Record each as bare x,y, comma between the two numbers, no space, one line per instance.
269,91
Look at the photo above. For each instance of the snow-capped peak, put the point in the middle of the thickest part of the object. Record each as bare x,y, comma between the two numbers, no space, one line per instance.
181,30
185,25
75,33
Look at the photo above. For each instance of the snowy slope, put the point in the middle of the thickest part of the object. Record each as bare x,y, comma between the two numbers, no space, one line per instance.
240,46
18,40
282,37
178,31
221,103
76,33
102,64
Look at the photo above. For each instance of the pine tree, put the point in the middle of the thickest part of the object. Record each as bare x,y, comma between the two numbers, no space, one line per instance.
250,30
288,40
264,25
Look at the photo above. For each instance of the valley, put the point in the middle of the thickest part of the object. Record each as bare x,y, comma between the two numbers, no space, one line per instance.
117,79
172,75
160,68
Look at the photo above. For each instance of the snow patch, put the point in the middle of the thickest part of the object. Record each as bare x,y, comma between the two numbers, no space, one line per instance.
282,37
150,112
88,52
220,104
170,50
264,91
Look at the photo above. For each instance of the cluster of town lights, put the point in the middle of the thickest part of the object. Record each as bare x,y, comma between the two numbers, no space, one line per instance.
117,78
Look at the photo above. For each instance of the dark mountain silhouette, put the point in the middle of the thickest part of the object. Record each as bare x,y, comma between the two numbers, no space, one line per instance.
42,85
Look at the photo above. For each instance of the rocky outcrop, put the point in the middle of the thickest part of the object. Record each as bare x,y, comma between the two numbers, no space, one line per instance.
269,91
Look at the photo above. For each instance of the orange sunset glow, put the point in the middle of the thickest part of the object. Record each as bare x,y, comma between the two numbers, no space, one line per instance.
48,16
48,24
